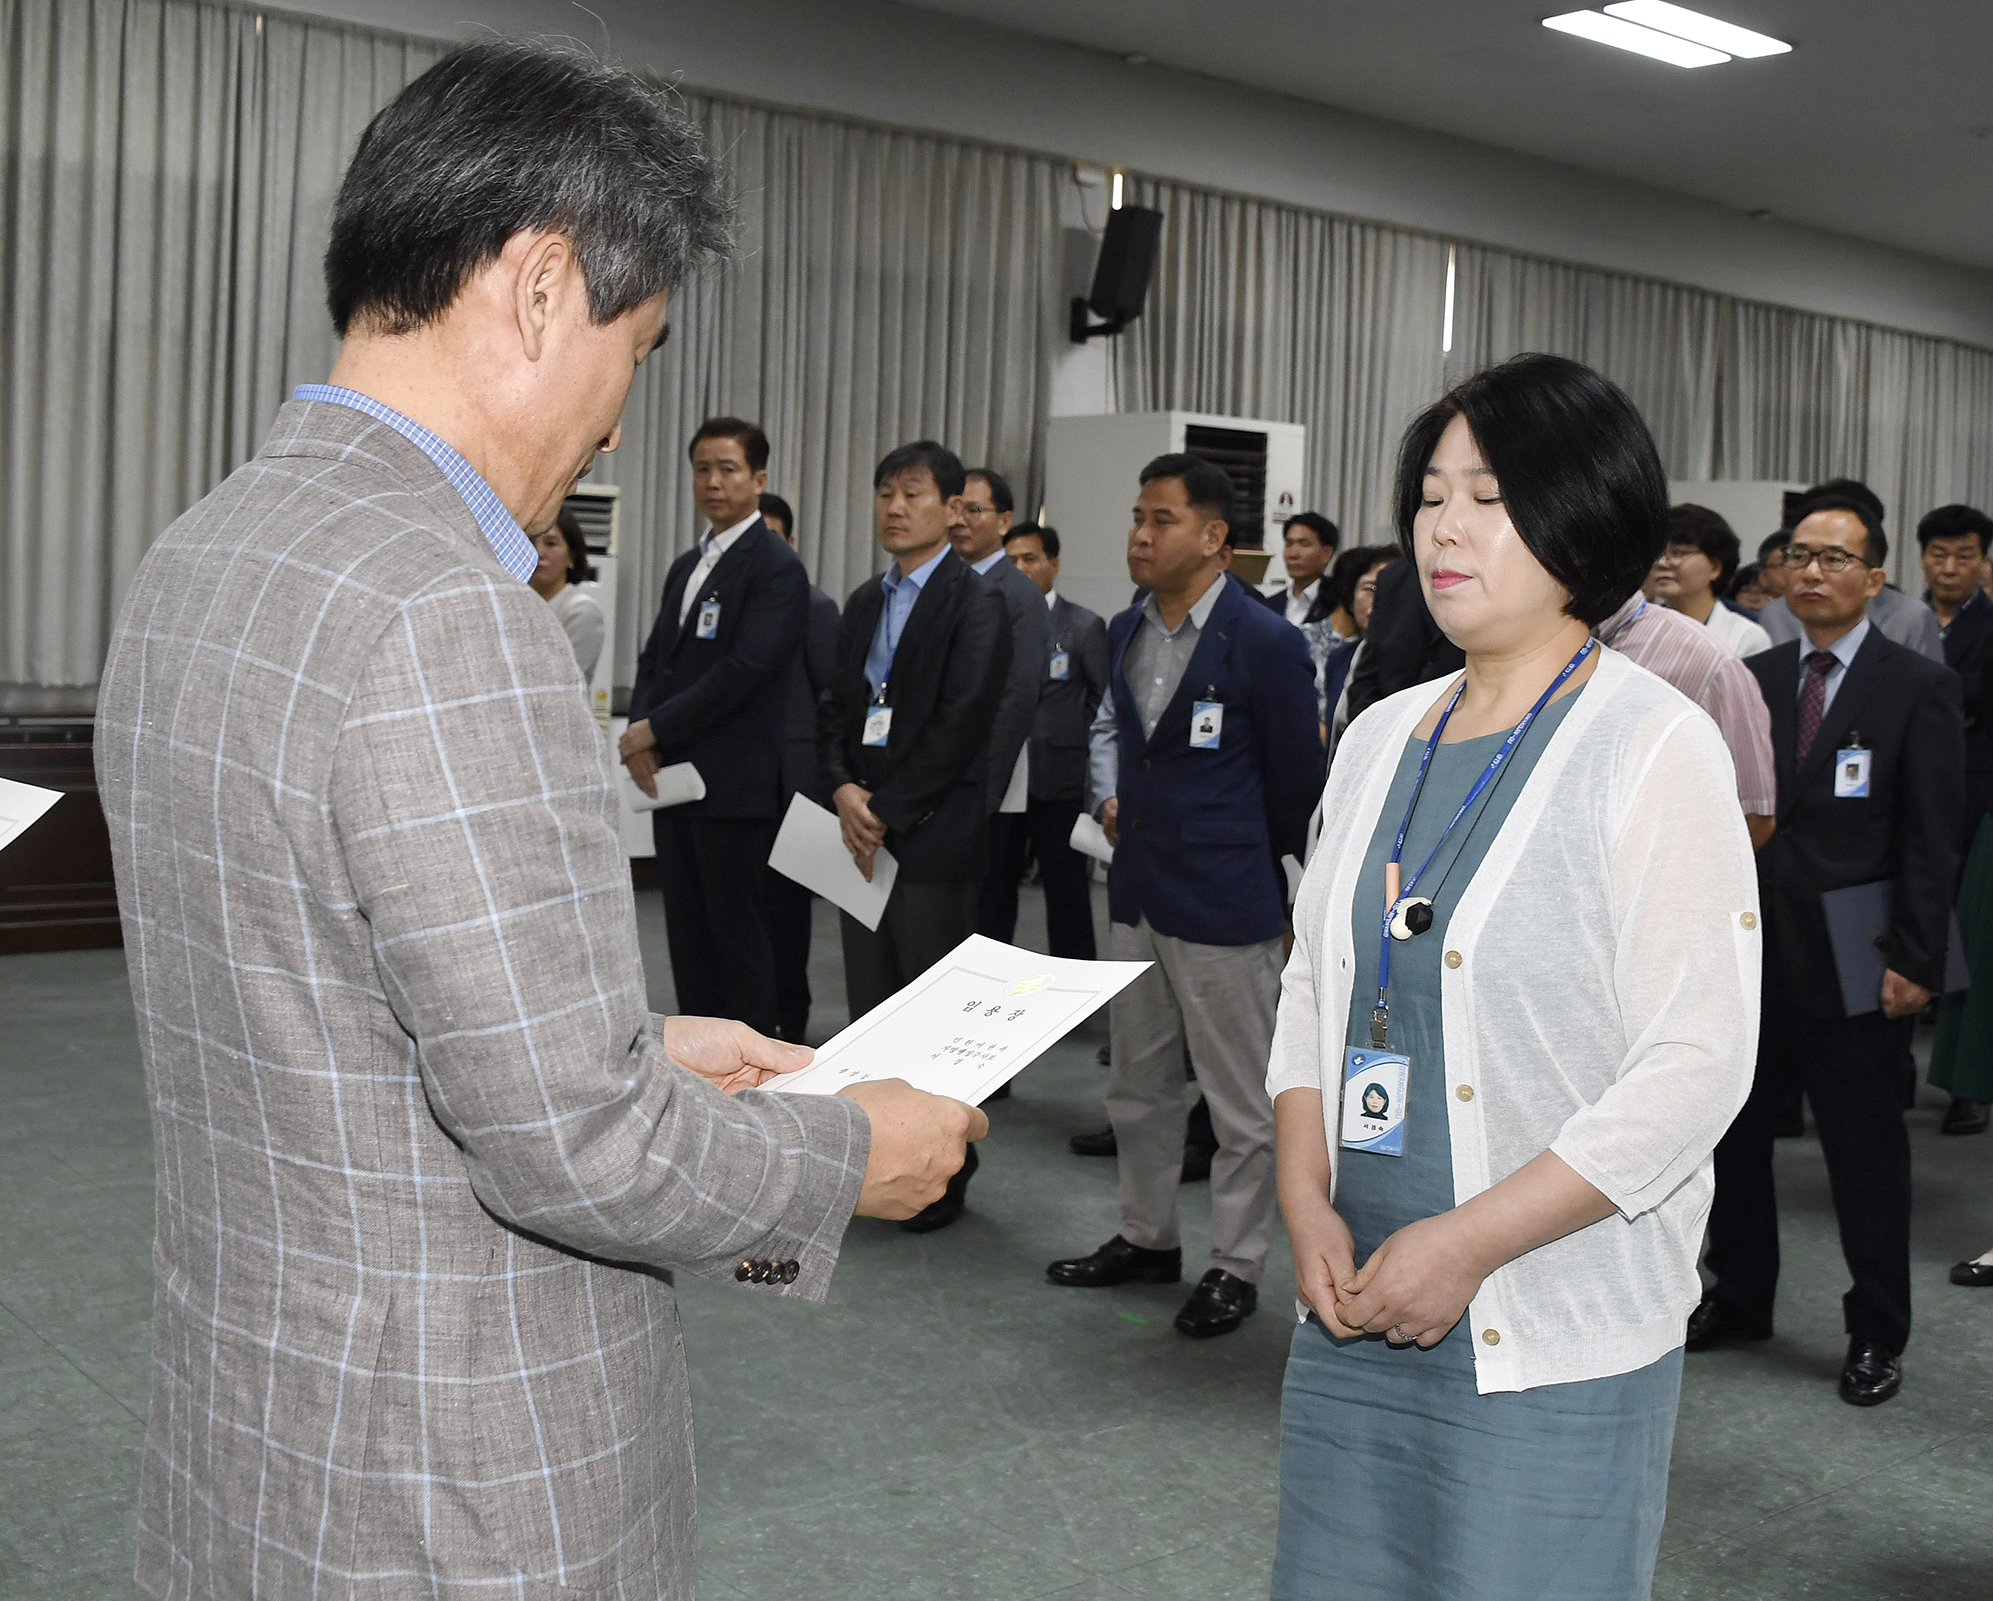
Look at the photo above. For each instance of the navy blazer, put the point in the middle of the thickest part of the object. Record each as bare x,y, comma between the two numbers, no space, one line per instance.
1906,708
722,703
1202,831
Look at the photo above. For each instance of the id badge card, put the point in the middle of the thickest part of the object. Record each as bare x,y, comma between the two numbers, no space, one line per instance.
1851,774
1207,722
709,620
1061,666
1374,1100
878,724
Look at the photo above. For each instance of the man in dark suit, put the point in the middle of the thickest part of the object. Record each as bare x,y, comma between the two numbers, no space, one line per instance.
1869,744
1075,678
1218,764
712,689
790,906
904,739
977,534
1307,546
1402,646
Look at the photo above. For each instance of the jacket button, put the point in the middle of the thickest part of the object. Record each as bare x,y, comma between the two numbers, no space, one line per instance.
789,1271
1136,826
744,1272
1465,1092
1749,919
1145,764
1453,958
1490,1337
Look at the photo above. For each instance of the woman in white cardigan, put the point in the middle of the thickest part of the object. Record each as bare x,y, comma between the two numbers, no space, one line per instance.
1495,1119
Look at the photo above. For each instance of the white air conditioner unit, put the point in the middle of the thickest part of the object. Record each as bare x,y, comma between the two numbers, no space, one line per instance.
1092,470
599,510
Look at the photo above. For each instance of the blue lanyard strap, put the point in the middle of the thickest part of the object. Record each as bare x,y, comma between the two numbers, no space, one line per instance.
1380,1017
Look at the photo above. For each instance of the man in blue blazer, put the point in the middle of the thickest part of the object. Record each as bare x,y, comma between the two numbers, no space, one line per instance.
1218,764
712,689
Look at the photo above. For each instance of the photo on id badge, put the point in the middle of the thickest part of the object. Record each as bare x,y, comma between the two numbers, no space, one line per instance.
1207,724
1851,773
1374,1100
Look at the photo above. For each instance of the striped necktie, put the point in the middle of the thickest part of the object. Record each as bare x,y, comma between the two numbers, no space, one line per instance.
1812,699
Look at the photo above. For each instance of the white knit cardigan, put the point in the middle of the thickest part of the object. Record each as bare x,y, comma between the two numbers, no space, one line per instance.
1599,994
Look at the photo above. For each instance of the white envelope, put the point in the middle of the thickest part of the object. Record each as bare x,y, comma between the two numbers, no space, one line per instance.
21,805
676,784
809,848
1090,839
1017,793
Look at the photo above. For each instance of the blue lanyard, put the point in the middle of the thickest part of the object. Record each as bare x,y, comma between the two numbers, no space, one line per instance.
1380,1017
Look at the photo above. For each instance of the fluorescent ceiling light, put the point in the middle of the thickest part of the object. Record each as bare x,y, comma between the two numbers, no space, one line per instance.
1686,24
1601,29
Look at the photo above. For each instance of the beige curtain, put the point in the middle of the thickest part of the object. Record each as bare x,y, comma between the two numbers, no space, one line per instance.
892,286
170,167
1267,311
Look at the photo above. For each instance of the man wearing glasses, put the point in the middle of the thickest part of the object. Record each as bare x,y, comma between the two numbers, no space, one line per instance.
1899,616
1868,738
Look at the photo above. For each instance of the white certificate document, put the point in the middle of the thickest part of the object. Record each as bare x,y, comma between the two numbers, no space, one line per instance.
676,784
22,805
810,849
971,1023
1090,839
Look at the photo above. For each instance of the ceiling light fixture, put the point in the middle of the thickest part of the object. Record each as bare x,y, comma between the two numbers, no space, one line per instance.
1623,35
1693,25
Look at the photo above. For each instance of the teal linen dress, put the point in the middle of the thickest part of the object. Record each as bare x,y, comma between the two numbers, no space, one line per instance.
1397,1478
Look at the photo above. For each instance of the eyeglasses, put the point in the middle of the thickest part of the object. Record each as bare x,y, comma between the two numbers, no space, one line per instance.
1832,558
1681,552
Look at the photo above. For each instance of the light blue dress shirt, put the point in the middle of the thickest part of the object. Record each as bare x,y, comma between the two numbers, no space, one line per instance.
507,539
902,590
1843,650
989,561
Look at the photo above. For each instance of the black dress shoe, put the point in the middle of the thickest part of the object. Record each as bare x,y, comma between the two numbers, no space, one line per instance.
953,1200
1101,1144
1118,1262
1715,1322
1965,1117
1973,1275
1219,1304
1871,1374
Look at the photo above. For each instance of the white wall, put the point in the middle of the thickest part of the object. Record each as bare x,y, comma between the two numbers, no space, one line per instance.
883,62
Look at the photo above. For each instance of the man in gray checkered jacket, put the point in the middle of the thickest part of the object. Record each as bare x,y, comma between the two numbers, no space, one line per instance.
426,1161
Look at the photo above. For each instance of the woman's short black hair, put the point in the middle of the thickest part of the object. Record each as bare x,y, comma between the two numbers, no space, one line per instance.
1326,533
924,455
776,506
499,137
1742,579
1577,467
1347,571
578,569
1690,524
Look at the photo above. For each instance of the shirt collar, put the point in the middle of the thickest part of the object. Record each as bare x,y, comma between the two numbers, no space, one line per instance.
502,532
1051,598
1200,613
892,579
722,541
1844,648
987,562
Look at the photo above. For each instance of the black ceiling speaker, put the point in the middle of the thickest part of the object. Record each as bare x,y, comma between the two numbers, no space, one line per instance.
1121,273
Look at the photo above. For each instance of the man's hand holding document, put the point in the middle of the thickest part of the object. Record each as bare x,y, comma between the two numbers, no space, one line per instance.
968,1025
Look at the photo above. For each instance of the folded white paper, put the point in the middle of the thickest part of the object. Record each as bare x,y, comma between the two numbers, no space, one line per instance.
1090,839
21,805
676,784
809,848
968,1025
1017,793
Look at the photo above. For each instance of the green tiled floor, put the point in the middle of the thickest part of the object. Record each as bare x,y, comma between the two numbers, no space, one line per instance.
952,1426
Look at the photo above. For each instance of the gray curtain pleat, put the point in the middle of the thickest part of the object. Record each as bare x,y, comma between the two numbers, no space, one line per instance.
169,166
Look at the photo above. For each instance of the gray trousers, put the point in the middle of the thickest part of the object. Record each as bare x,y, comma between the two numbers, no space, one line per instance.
1218,1000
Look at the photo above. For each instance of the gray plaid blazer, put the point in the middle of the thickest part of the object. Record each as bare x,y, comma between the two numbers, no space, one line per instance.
424,1169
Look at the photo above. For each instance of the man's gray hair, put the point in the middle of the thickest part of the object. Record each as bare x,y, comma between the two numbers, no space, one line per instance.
500,137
